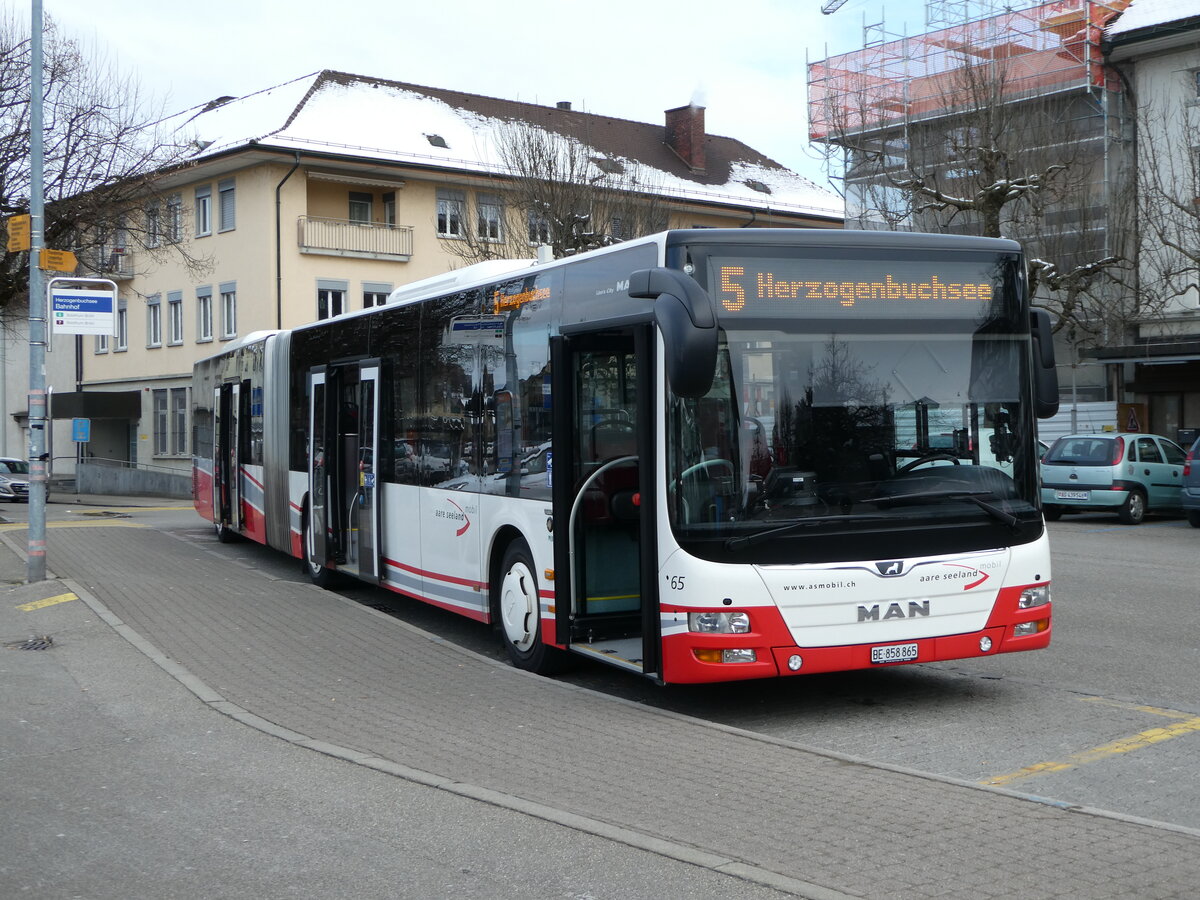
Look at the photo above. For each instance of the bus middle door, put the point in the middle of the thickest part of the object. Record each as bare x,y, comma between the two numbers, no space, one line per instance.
227,500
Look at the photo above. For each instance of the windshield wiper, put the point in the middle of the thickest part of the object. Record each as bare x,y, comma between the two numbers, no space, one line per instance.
975,497
758,537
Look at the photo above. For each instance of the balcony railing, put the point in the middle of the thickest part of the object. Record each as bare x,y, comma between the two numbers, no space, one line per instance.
339,237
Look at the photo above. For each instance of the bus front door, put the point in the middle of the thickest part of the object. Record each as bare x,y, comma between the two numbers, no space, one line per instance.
227,501
343,449
599,482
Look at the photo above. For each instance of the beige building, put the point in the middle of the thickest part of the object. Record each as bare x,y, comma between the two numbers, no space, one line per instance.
320,196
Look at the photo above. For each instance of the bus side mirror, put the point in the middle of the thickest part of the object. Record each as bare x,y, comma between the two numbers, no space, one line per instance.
1045,376
689,327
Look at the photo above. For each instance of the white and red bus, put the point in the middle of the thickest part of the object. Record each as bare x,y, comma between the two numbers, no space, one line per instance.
701,456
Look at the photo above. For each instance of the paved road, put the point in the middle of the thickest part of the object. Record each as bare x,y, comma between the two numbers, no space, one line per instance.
304,745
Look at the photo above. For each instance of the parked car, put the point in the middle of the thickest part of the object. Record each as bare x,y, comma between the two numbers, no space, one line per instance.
1191,485
1129,474
14,480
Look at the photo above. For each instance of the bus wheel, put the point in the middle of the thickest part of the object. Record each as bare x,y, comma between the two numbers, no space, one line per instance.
1052,513
317,573
225,534
519,607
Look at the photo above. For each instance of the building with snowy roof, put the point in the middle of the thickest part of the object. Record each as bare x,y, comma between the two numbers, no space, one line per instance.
319,196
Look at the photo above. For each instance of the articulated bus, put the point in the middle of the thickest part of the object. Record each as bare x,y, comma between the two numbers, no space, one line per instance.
700,456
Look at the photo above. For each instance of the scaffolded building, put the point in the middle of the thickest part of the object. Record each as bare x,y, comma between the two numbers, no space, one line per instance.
905,104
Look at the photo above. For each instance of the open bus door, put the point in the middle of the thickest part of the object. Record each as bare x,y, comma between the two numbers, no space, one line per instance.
606,592
227,501
343,513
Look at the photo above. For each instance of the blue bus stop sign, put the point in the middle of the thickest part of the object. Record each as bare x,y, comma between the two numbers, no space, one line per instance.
81,430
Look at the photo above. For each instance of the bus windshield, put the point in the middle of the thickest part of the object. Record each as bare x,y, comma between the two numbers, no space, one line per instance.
853,435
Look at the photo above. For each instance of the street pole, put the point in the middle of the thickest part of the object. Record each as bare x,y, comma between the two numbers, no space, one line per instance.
36,548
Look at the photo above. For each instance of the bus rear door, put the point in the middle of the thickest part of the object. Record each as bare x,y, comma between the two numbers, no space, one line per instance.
227,501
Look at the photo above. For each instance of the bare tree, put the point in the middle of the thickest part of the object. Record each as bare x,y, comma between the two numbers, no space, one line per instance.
553,189
102,142
983,146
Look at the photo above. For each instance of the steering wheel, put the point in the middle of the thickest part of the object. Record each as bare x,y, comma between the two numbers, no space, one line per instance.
921,460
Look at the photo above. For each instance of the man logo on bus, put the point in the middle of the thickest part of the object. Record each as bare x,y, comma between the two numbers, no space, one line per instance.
890,568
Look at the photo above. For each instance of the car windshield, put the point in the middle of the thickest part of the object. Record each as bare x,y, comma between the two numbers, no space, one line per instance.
858,433
14,467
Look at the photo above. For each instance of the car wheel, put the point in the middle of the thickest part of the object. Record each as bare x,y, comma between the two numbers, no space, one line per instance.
1193,517
1133,510
1052,513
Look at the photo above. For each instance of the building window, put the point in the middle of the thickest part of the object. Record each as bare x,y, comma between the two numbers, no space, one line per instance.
539,229
154,321
174,223
102,343
204,318
161,421
361,212
331,297
122,327
375,293
489,223
175,318
228,311
226,206
389,209
178,423
204,210
450,205
153,225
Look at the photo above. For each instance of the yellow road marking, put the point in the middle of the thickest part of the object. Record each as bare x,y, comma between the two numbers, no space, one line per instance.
49,601
107,523
1186,724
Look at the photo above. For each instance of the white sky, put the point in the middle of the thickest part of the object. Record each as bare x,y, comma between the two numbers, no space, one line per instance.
745,61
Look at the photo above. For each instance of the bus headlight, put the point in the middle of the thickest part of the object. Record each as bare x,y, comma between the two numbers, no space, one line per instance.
1028,628
719,622
1034,596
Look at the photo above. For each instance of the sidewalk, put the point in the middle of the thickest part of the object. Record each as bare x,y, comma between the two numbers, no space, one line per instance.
326,674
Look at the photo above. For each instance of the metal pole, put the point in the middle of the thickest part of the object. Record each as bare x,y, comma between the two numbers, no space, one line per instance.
36,549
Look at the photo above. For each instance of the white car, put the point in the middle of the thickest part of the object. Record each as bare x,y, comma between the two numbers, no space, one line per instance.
14,479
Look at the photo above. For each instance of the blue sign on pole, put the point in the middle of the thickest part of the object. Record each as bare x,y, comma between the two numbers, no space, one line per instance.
81,430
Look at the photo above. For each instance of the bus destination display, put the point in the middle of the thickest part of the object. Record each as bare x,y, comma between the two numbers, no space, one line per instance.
813,287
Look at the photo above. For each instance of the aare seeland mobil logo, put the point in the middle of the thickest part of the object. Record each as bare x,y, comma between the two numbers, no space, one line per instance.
932,573
458,516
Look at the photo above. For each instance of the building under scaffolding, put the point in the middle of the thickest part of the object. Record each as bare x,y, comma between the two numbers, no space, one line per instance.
994,121
886,101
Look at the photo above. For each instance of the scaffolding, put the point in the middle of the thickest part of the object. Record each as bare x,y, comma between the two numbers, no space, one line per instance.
1044,48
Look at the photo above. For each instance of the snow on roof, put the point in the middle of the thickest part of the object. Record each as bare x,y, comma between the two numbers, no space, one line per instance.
380,120
1148,13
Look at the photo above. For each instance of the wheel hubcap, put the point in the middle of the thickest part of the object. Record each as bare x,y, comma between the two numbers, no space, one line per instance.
518,606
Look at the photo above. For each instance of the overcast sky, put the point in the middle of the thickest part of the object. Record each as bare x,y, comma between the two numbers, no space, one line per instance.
744,60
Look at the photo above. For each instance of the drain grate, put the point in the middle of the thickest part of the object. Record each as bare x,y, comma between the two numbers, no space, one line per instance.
38,642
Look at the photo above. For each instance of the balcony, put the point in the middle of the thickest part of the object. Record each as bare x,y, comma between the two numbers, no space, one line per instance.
359,240
115,265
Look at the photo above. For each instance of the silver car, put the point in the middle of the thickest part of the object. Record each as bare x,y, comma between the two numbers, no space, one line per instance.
1129,474
14,479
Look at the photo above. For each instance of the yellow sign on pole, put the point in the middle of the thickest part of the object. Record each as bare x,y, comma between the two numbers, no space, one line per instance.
58,261
18,233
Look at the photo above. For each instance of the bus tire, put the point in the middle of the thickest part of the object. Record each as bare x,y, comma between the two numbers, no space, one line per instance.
1133,510
1052,513
317,573
518,606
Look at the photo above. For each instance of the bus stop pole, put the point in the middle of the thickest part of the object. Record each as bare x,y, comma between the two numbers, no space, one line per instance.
36,548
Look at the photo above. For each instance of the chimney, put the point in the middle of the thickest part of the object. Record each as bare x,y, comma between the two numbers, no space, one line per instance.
564,104
685,134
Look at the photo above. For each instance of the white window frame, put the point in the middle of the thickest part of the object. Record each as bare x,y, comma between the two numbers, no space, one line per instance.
153,321
153,224
539,230
331,297
101,343
361,208
122,327
174,223
175,318
204,210
228,293
177,421
489,218
204,317
451,210
226,205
